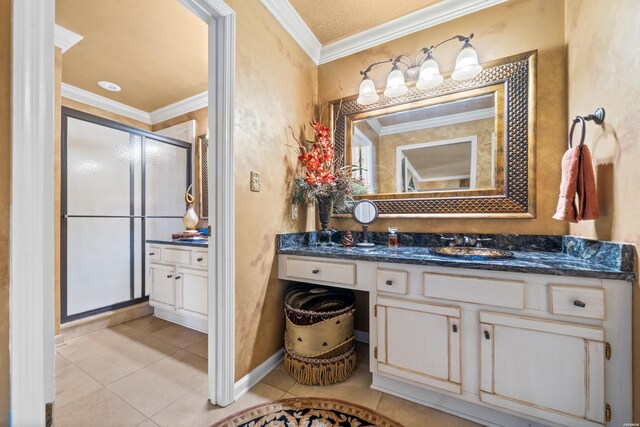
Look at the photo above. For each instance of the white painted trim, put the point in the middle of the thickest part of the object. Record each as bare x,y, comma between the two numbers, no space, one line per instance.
375,125
31,295
293,24
451,119
89,98
247,382
186,321
65,39
176,109
408,24
361,336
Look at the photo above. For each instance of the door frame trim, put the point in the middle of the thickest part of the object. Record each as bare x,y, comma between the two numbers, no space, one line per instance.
31,266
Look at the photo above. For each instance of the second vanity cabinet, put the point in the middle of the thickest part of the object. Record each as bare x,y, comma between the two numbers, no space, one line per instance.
178,284
499,348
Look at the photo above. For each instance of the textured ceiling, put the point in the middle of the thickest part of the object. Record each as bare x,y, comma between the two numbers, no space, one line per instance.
156,50
332,20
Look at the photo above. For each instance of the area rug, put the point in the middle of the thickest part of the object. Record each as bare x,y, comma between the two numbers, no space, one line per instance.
307,412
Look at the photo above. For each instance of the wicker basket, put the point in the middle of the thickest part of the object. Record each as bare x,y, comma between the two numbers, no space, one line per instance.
319,341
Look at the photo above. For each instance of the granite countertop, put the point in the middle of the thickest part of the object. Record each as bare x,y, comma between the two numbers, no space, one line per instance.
192,243
552,255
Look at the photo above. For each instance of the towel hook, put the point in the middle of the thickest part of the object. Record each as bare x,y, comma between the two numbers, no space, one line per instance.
597,117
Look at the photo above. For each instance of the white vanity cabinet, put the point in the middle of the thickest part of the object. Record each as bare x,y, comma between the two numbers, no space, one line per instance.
177,281
498,348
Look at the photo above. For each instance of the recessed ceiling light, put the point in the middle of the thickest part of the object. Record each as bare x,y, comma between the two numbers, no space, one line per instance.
109,86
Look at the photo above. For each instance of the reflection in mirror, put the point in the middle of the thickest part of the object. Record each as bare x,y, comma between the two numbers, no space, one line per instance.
449,146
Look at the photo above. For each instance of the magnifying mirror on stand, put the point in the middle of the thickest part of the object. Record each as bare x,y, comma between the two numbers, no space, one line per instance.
365,212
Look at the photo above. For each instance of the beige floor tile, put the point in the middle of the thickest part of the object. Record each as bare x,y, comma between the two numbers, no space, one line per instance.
154,387
412,414
201,348
61,361
148,423
288,396
179,335
356,389
279,378
119,361
96,342
72,384
148,324
194,410
101,408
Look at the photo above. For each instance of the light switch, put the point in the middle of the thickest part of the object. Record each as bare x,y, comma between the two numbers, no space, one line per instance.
255,181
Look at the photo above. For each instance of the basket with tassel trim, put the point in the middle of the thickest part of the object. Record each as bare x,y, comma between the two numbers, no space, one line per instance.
319,340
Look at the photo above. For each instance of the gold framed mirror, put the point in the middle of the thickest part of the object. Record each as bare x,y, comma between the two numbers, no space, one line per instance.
462,149
202,178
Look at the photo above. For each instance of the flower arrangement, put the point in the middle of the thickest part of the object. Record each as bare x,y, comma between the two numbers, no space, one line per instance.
321,181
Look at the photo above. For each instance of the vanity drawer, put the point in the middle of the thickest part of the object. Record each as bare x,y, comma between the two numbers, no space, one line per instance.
154,253
179,256
391,281
477,290
332,272
200,259
577,301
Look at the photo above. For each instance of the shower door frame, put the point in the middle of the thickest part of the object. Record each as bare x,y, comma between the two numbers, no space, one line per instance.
64,215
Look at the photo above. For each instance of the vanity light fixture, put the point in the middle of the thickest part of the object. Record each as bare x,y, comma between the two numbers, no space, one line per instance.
424,69
110,86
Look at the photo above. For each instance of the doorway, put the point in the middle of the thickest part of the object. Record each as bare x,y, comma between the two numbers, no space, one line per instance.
32,248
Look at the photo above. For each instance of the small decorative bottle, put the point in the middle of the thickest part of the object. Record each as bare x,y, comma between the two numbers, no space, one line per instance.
393,237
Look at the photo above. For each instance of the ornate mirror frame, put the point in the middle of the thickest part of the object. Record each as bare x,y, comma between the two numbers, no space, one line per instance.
202,181
513,79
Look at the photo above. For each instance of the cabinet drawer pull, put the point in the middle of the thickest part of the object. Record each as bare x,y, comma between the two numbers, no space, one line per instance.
169,276
315,271
454,328
152,253
486,335
390,282
579,303
178,277
199,259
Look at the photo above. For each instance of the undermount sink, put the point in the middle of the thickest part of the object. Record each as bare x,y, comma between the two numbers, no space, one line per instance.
466,252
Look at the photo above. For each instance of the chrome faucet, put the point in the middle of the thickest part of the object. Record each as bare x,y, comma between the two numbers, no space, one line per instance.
465,241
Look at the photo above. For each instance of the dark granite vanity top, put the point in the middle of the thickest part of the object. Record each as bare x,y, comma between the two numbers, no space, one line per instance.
192,243
553,255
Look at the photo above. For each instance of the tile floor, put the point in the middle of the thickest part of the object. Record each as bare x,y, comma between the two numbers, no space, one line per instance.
149,372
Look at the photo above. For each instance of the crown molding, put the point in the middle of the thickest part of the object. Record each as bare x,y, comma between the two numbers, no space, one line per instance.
411,23
65,39
81,95
451,119
287,16
176,109
375,125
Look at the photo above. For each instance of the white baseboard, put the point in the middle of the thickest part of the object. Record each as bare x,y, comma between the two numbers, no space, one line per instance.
254,377
187,321
58,340
361,336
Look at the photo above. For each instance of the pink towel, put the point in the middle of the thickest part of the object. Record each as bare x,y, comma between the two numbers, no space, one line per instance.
578,180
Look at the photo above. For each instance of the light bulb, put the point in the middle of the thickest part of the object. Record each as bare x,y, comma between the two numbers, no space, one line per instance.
467,65
430,76
367,93
396,85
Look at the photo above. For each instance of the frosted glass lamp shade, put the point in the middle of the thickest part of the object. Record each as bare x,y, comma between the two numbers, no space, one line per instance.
396,85
367,94
467,65
430,76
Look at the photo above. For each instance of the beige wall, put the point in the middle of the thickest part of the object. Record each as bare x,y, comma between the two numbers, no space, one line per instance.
603,72
275,88
5,195
507,29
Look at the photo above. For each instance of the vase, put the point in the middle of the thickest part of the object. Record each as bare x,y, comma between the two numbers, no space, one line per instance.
190,219
324,213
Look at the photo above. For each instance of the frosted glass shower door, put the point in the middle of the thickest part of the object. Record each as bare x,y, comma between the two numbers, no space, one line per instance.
103,194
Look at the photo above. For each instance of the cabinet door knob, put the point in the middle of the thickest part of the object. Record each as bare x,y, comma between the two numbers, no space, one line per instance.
486,335
579,303
315,271
169,276
178,277
454,328
199,259
389,282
